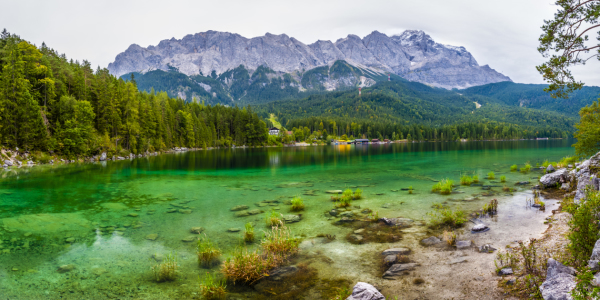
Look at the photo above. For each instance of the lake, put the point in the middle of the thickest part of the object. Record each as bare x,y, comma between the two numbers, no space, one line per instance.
108,222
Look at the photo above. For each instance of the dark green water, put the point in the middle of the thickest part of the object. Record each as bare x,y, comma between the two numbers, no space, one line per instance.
98,216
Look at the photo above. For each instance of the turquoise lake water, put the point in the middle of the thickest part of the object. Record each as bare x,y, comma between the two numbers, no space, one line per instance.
107,220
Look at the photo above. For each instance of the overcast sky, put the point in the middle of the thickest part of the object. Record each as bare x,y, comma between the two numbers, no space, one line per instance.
503,34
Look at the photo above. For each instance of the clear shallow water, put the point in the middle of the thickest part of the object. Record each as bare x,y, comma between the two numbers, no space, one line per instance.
97,216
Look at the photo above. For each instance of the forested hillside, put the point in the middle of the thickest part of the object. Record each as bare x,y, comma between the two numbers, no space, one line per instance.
395,109
51,103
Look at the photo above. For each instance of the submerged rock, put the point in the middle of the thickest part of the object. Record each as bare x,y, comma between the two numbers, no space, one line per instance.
239,207
487,248
334,192
243,213
344,220
233,230
463,244
291,218
390,259
396,251
398,270
152,236
66,268
430,241
480,228
522,183
333,212
189,239
365,291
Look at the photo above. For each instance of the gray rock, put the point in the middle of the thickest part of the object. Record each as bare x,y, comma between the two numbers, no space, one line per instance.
463,244
403,222
291,218
66,268
457,260
333,212
396,251
365,291
430,241
522,183
281,273
559,281
356,238
196,230
413,55
505,271
103,156
479,227
595,257
390,259
233,230
8,163
398,270
487,248
596,280
242,213
552,179
344,220
239,207
347,214
550,169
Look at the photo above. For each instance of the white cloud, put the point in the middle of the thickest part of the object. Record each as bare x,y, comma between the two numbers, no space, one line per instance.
502,34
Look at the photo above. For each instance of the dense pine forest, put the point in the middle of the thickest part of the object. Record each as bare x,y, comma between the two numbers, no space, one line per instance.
51,103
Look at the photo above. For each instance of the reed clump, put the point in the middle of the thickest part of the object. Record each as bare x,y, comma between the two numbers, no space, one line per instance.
249,266
502,178
410,189
357,194
446,217
466,180
297,204
249,233
167,269
526,168
491,208
475,178
449,237
273,219
513,168
491,175
444,187
207,252
213,289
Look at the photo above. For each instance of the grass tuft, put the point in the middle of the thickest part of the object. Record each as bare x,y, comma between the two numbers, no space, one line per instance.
297,204
213,289
167,269
249,233
207,252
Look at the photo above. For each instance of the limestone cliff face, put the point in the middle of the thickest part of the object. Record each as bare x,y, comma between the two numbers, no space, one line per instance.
413,55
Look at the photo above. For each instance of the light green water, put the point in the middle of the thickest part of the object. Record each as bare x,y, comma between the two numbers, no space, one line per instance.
97,217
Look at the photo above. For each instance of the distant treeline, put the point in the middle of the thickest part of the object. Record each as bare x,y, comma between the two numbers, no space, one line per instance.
50,103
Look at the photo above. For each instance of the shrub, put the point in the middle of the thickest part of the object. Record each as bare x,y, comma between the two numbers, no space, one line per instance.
249,233
502,178
297,204
207,252
513,168
444,216
466,180
273,219
213,289
41,157
583,228
358,194
167,269
491,175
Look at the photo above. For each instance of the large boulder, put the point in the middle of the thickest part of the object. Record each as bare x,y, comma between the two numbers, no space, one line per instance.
595,258
584,174
365,291
552,179
560,281
103,156
8,162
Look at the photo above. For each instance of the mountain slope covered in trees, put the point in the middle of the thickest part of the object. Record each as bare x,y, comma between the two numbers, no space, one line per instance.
50,103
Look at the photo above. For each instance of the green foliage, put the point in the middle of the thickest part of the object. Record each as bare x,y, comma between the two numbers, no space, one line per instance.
475,178
357,194
249,233
342,293
208,253
584,289
491,175
446,217
567,160
526,168
297,204
502,178
273,218
565,39
213,289
583,228
466,180
410,189
513,168
167,269
588,131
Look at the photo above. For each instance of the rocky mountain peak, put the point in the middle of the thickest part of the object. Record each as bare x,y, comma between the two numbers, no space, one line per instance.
413,55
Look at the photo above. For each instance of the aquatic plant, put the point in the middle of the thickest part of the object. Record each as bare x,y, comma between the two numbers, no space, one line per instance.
565,161
167,269
273,219
207,252
491,208
279,242
345,201
247,266
491,175
449,237
213,289
347,193
342,293
418,281
297,204
475,178
466,180
437,187
447,185
502,178
513,168
505,188
373,217
526,169
410,189
249,233
504,260
358,194
447,217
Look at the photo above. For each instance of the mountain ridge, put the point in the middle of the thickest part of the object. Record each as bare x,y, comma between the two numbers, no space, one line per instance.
413,55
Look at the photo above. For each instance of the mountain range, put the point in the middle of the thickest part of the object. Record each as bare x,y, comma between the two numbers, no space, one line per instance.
412,55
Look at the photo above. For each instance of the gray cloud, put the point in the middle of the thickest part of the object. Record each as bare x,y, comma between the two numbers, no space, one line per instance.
502,34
